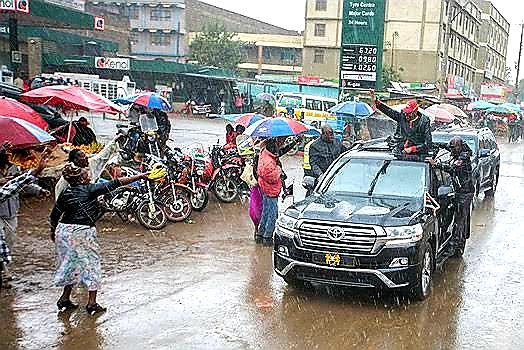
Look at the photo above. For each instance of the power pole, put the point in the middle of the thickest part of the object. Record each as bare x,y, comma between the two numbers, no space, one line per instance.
518,61
13,41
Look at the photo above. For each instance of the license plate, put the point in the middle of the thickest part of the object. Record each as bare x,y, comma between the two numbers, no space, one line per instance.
334,260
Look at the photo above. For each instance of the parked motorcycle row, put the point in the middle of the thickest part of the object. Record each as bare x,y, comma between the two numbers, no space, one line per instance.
180,179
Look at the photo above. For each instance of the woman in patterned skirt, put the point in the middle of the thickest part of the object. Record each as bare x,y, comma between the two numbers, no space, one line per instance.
73,230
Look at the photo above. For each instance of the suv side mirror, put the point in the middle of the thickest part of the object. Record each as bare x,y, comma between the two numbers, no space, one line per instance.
484,153
309,182
444,192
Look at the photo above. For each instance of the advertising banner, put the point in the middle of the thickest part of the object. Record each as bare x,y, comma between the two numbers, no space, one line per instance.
115,63
362,44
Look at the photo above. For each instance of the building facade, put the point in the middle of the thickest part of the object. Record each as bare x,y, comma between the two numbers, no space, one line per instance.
417,36
157,28
493,42
271,50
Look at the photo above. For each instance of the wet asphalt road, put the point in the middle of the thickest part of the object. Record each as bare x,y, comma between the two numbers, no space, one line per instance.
208,286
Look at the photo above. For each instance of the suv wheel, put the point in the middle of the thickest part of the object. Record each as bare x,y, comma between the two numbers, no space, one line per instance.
424,275
494,183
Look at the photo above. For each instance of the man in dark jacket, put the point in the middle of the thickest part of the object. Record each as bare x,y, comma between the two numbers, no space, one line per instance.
460,169
412,127
324,151
84,134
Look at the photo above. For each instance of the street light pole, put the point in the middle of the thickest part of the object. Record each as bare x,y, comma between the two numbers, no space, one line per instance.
518,61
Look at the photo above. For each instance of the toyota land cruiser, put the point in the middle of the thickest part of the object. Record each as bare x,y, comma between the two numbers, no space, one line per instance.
375,220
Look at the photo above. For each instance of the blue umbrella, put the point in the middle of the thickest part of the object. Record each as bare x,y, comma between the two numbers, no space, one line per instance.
148,99
352,109
278,127
513,106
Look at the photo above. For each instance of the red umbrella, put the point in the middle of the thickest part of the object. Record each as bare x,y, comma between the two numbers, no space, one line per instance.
441,115
21,133
71,97
15,109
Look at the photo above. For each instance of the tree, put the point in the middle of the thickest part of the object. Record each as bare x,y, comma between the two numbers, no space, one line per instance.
217,47
390,74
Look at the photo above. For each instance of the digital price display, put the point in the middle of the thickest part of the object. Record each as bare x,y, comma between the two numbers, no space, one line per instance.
359,66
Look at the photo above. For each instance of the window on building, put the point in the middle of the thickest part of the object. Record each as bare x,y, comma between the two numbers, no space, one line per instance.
160,14
319,56
267,54
320,29
133,38
287,54
314,105
132,12
160,39
321,5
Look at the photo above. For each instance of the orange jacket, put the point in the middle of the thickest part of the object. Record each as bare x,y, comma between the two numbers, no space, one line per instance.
269,174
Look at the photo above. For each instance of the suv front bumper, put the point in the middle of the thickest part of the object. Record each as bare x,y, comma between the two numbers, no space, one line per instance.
371,271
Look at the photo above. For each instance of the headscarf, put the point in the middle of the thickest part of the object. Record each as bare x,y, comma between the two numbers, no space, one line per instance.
72,174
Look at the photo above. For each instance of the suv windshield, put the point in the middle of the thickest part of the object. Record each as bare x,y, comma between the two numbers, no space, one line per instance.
444,138
358,176
290,101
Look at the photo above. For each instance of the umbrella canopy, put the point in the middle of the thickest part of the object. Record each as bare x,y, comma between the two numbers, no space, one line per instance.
148,100
71,97
479,105
352,109
277,127
248,119
457,112
15,109
500,110
21,133
440,115
513,106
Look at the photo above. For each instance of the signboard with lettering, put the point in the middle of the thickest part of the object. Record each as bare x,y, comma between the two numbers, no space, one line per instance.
15,5
362,44
7,5
115,63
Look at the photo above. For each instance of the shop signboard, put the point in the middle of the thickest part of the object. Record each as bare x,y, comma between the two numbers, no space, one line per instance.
362,44
492,92
115,63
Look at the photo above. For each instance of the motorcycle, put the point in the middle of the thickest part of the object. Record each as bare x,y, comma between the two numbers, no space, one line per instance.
194,161
136,200
142,138
227,167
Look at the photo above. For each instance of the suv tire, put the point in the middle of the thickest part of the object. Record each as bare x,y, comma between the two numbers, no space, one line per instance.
422,288
494,183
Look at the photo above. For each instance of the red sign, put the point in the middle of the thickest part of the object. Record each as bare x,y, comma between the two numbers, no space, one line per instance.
100,23
22,6
309,80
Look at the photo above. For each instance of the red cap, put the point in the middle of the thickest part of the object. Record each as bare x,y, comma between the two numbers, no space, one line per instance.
412,106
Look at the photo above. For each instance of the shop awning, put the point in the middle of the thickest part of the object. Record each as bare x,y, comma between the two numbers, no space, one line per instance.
75,19
205,76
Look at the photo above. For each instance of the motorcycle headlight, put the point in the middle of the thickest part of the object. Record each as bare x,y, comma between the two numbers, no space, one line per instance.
404,234
286,226
200,172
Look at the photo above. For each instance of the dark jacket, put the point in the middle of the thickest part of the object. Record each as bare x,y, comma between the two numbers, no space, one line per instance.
461,171
418,132
78,205
322,154
84,135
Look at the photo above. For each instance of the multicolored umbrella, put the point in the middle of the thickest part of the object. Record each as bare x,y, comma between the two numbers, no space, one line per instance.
148,100
248,119
21,133
277,127
440,115
70,97
479,106
15,109
353,109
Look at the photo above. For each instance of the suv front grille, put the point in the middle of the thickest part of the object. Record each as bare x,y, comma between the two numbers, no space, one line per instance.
358,239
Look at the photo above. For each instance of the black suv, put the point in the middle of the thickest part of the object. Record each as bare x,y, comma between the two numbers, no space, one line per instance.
486,155
374,220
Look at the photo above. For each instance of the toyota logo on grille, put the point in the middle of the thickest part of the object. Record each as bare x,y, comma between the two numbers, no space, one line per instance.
336,233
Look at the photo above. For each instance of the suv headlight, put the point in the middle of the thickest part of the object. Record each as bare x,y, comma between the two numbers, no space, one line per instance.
403,234
287,226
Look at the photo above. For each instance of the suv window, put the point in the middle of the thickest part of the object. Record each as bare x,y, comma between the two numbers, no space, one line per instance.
328,105
290,101
315,105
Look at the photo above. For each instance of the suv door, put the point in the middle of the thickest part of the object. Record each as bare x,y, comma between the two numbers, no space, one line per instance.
447,209
485,170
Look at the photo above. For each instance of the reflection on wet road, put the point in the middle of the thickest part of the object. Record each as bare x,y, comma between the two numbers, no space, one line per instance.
208,286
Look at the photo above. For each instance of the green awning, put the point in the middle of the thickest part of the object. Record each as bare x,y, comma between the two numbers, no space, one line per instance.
157,66
25,32
75,19
56,59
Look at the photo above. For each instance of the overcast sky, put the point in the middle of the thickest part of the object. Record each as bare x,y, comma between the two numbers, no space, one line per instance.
290,14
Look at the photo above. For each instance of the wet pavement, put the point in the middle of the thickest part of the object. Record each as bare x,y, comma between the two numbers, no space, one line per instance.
208,286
